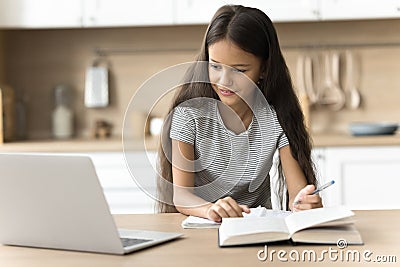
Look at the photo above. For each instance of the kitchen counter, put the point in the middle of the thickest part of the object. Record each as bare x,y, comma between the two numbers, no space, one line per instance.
115,144
75,145
337,140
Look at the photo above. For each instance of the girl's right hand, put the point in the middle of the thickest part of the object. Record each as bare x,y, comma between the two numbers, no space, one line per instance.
224,208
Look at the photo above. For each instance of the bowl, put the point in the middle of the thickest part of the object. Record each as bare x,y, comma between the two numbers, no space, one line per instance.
373,128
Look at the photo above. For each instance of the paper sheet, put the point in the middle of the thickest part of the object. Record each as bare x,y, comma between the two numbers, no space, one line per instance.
197,222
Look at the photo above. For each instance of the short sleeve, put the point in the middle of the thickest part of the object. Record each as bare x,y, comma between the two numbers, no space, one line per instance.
282,140
182,126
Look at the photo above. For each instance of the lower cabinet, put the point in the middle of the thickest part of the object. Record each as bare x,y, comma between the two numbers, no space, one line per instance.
366,177
123,192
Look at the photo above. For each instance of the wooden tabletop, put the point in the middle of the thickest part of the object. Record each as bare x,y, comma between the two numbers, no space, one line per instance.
379,229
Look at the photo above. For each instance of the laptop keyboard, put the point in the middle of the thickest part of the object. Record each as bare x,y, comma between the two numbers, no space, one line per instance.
127,242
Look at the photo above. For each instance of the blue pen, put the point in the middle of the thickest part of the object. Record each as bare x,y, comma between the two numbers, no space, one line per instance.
316,191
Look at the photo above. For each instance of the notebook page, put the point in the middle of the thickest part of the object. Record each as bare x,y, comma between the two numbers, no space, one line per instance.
276,213
197,222
304,219
248,225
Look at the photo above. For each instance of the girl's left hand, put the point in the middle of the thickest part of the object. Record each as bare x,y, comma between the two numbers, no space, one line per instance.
305,201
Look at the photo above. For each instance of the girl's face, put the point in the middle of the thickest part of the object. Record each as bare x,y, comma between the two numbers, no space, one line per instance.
227,64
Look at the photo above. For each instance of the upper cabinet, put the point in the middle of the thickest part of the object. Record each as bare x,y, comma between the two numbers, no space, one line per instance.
116,13
286,10
40,13
120,13
359,9
84,13
195,11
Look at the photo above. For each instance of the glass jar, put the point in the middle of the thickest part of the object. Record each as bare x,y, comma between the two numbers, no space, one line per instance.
62,117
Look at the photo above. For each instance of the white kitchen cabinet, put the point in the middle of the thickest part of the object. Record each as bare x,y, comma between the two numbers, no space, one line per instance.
123,194
318,157
106,13
359,9
197,12
40,13
287,10
366,177
124,13
84,13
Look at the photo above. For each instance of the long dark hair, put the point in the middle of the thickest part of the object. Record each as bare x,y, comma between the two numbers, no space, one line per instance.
251,30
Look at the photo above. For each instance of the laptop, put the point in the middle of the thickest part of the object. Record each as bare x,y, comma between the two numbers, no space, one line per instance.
56,201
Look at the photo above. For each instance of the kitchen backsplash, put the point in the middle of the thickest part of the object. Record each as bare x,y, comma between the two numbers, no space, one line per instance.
35,61
379,67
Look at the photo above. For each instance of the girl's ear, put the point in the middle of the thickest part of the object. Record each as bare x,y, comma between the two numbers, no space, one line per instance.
262,76
260,80
263,70
262,73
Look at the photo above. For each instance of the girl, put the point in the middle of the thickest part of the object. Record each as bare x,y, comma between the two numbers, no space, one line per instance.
219,142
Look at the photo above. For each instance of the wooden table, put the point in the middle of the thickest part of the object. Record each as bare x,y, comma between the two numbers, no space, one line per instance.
379,229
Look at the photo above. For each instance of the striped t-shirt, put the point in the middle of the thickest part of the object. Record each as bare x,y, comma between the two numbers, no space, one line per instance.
226,163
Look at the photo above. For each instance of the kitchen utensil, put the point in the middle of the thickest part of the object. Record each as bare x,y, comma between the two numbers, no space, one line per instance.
373,128
96,85
353,97
302,94
332,95
310,80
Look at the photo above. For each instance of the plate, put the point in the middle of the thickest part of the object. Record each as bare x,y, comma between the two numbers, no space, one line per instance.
376,128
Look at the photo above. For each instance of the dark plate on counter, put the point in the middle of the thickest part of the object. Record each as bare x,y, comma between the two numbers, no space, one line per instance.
373,128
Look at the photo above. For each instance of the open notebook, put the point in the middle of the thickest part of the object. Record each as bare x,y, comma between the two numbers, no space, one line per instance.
322,225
